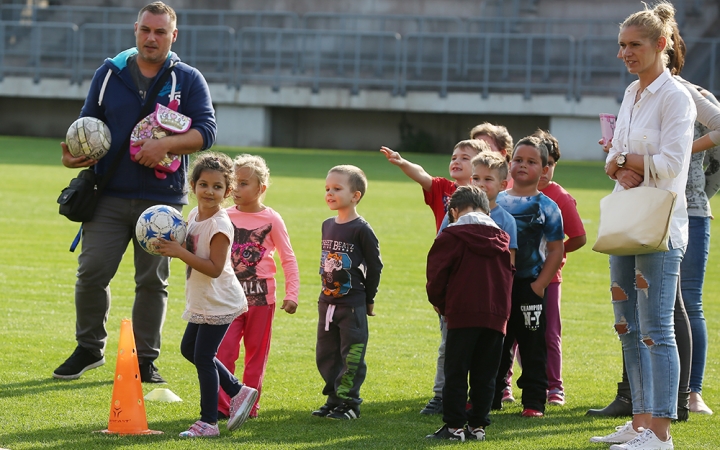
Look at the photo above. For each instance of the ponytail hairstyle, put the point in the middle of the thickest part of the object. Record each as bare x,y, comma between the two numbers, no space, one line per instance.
656,22
676,55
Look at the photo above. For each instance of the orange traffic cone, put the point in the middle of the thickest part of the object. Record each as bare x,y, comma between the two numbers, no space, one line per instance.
127,412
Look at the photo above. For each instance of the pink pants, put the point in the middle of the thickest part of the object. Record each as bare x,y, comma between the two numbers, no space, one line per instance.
553,340
553,337
255,329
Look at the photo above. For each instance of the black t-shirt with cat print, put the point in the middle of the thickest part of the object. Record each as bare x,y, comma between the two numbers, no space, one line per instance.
350,263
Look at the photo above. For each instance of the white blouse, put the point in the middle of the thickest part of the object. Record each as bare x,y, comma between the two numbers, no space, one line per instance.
214,301
660,124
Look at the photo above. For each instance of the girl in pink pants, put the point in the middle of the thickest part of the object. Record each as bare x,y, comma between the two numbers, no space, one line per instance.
259,231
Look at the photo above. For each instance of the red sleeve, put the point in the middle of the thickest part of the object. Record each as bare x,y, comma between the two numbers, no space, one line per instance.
438,197
572,223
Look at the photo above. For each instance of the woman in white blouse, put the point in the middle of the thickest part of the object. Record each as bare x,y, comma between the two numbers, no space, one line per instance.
656,118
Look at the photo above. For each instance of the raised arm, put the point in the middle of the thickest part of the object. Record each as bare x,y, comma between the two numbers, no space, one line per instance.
412,170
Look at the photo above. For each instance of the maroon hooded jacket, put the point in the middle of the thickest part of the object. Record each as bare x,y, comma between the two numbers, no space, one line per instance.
470,277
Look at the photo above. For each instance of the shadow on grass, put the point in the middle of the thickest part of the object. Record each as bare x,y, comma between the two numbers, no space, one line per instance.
393,424
45,385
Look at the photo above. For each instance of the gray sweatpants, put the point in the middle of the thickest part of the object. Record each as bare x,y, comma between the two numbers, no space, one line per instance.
104,241
440,368
340,352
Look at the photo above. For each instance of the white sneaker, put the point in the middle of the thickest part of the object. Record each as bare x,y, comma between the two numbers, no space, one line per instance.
645,441
622,435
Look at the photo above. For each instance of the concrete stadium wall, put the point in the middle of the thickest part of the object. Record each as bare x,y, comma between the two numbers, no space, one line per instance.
332,118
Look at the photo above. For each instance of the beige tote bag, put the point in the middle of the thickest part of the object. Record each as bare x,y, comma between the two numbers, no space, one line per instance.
635,221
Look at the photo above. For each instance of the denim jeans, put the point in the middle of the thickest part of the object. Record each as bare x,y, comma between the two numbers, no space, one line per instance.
643,291
692,276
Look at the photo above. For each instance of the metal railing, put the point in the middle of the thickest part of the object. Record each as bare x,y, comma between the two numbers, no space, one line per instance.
44,49
528,64
329,58
522,63
211,49
395,23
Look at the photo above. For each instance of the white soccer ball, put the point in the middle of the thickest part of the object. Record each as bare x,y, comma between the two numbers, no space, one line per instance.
159,221
88,137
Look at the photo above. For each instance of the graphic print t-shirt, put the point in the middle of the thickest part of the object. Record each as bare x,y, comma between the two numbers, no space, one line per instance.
538,221
350,263
256,237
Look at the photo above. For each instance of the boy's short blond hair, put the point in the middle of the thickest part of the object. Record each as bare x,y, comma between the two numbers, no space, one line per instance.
497,133
356,177
493,161
478,146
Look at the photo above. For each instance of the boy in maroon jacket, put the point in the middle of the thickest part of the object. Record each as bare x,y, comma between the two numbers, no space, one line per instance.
470,277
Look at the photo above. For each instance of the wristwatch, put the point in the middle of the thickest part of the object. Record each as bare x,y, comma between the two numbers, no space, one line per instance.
621,159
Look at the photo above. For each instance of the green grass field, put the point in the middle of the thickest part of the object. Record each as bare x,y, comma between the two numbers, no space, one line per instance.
37,274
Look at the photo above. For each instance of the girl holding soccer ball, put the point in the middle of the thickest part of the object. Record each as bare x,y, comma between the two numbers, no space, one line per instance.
214,296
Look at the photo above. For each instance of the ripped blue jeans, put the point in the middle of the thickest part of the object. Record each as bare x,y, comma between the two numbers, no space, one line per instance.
643,289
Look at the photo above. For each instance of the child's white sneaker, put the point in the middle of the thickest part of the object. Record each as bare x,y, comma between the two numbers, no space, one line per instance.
240,406
623,434
645,441
474,434
201,429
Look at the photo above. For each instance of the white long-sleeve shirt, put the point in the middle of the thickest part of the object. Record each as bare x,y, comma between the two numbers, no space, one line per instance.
660,124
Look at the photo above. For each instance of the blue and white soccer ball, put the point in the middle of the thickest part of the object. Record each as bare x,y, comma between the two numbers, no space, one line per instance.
159,221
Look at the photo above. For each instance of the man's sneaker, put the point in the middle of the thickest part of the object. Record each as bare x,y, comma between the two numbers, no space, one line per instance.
240,406
201,429
451,434
507,396
324,410
622,434
346,411
556,398
527,412
78,363
474,434
645,441
434,406
150,374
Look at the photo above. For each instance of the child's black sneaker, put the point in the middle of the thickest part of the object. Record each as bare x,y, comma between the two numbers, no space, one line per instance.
450,434
324,410
345,411
78,363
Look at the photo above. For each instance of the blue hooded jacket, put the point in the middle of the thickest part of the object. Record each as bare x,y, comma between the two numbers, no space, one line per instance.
114,99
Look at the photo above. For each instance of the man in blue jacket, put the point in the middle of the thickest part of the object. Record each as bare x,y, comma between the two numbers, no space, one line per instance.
116,96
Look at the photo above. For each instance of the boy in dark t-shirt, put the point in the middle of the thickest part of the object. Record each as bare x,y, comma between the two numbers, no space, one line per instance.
350,268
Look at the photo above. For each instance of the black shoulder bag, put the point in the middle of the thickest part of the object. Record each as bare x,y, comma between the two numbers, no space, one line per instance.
78,200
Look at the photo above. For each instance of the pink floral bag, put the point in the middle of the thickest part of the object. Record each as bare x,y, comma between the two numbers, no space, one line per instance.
163,122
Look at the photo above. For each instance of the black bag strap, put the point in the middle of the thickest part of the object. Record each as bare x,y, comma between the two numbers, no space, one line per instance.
147,109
